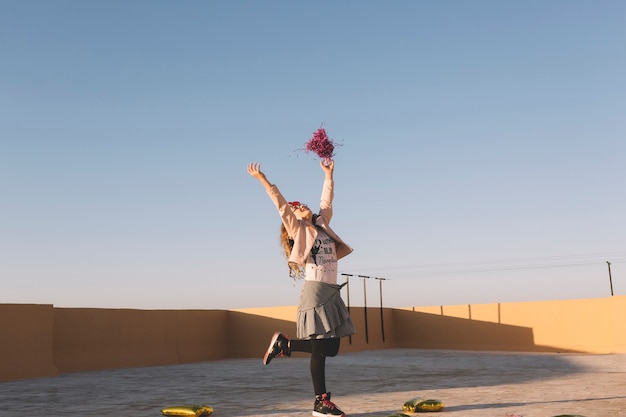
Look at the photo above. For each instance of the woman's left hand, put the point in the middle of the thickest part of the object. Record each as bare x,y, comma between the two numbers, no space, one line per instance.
328,166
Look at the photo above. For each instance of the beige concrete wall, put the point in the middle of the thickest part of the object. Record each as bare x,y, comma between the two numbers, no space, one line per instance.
588,325
250,330
617,317
26,349
416,329
89,339
40,340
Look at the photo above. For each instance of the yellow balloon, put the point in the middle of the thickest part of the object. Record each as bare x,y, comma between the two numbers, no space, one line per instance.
411,404
187,410
429,405
418,404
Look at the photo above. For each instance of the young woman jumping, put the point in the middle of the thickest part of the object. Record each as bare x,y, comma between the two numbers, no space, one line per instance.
312,249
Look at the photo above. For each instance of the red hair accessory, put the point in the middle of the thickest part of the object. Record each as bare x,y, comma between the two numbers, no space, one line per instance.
294,203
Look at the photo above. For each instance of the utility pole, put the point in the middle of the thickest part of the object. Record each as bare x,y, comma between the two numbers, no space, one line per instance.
367,338
348,296
382,313
610,278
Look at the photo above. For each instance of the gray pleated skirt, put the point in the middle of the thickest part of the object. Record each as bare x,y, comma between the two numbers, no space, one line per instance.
322,313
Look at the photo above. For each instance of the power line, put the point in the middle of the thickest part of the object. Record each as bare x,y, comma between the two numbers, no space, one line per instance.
469,267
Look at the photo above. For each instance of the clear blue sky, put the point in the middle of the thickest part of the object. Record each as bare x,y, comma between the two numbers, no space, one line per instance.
482,157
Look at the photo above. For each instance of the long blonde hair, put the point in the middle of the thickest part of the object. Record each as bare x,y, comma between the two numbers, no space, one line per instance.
295,270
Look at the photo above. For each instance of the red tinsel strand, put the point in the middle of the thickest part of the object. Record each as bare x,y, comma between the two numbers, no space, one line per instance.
320,144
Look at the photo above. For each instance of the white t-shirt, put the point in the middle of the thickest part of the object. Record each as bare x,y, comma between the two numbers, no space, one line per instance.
321,265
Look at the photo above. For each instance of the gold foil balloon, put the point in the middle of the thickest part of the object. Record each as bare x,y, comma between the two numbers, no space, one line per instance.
411,404
429,405
419,404
187,411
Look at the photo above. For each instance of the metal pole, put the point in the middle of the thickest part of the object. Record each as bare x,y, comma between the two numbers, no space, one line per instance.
382,315
365,307
610,278
348,297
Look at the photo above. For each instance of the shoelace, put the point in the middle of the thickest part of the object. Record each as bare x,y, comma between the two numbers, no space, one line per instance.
282,352
329,404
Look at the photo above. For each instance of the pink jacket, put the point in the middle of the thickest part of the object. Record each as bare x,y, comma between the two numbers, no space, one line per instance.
304,232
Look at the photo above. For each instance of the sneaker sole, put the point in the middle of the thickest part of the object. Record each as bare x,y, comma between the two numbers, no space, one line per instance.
316,414
269,349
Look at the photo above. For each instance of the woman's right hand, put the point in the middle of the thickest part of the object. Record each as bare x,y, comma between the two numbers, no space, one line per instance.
254,169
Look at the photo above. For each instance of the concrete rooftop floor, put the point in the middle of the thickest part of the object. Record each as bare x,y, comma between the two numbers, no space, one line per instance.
364,384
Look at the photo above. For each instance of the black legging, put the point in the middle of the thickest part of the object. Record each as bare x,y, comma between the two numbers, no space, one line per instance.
319,349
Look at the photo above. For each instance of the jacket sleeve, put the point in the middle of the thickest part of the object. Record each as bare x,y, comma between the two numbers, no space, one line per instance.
326,201
287,216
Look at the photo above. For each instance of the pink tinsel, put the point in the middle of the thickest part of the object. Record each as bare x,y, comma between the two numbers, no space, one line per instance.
320,144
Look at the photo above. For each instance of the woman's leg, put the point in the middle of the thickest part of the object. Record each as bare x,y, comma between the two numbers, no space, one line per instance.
331,345
320,349
300,345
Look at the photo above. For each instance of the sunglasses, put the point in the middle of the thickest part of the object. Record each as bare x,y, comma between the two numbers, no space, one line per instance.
297,205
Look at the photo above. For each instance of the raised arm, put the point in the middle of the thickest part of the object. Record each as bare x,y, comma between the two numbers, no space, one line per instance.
254,169
287,215
326,201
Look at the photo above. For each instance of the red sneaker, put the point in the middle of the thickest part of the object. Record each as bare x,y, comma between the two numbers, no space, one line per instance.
279,346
